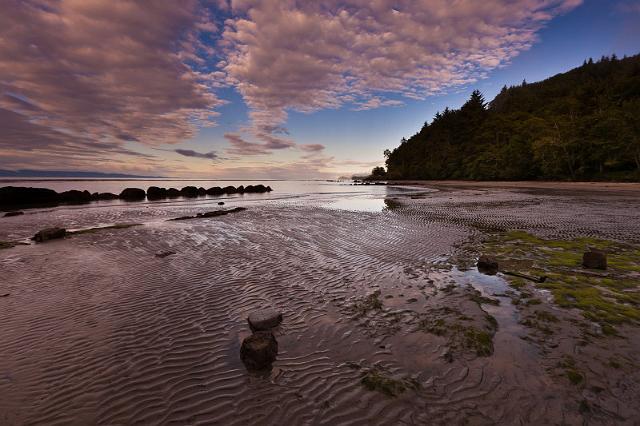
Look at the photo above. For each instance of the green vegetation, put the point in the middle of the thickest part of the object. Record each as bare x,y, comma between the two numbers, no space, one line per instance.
461,336
608,298
568,364
376,381
580,125
370,303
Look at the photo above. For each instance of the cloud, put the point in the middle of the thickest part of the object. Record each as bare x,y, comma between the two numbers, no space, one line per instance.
305,56
190,153
314,147
104,71
241,147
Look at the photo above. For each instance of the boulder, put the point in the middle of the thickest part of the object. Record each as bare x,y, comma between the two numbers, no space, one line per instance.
202,192
259,351
155,193
216,190
173,193
265,319
229,189
75,197
104,196
11,214
488,265
240,189
594,259
12,195
49,234
269,189
133,194
249,189
220,203
189,192
260,188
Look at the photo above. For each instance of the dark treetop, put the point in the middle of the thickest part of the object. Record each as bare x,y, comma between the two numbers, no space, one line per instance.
580,125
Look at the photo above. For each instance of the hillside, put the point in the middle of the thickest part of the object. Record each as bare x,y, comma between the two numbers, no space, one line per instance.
580,125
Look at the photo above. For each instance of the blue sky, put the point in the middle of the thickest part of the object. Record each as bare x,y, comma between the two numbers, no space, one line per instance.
272,89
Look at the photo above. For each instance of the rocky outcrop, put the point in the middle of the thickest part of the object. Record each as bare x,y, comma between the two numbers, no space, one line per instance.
594,259
173,193
17,196
155,193
202,192
189,192
213,213
257,189
104,196
216,190
259,351
75,197
488,265
229,189
49,234
133,194
265,319
12,214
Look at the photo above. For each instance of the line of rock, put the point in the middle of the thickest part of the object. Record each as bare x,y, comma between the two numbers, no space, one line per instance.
12,196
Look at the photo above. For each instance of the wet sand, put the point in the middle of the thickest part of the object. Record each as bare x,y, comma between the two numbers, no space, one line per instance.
99,330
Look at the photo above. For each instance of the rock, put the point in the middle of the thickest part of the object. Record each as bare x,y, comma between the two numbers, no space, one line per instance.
155,193
259,351
221,203
189,192
594,259
269,189
202,192
133,194
12,195
164,254
173,193
75,197
260,188
216,190
11,214
240,189
229,189
104,196
265,319
49,234
487,265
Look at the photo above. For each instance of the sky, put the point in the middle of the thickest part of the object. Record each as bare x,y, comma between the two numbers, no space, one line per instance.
268,89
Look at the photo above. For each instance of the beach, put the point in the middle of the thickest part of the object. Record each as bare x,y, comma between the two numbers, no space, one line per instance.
386,320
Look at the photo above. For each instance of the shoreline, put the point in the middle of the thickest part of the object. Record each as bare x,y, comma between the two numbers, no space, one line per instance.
544,185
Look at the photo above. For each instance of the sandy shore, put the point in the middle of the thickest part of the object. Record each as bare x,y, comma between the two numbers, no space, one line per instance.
97,329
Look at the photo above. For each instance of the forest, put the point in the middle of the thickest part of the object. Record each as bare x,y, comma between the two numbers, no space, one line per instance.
580,125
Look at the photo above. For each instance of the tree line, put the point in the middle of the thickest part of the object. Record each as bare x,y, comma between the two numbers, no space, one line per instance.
580,125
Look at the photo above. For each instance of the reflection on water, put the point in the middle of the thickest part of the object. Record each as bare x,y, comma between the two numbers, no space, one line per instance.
357,204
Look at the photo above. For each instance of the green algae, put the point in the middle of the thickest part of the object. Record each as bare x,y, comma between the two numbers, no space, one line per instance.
369,303
376,381
609,297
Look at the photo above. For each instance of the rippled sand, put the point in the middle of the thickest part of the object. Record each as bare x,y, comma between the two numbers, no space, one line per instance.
99,330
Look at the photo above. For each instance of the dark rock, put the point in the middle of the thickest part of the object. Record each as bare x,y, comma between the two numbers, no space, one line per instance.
189,192
265,319
269,189
173,193
221,203
594,259
259,351
75,197
49,234
249,189
210,214
11,214
229,189
133,194
260,188
155,193
240,189
202,192
164,254
488,265
104,196
12,195
216,190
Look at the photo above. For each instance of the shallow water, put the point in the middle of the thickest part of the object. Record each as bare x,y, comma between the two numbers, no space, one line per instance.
99,330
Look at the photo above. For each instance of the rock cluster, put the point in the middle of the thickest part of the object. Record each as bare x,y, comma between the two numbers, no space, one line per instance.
259,351
12,197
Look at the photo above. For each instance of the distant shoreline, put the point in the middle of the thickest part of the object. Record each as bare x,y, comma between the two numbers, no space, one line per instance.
560,185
